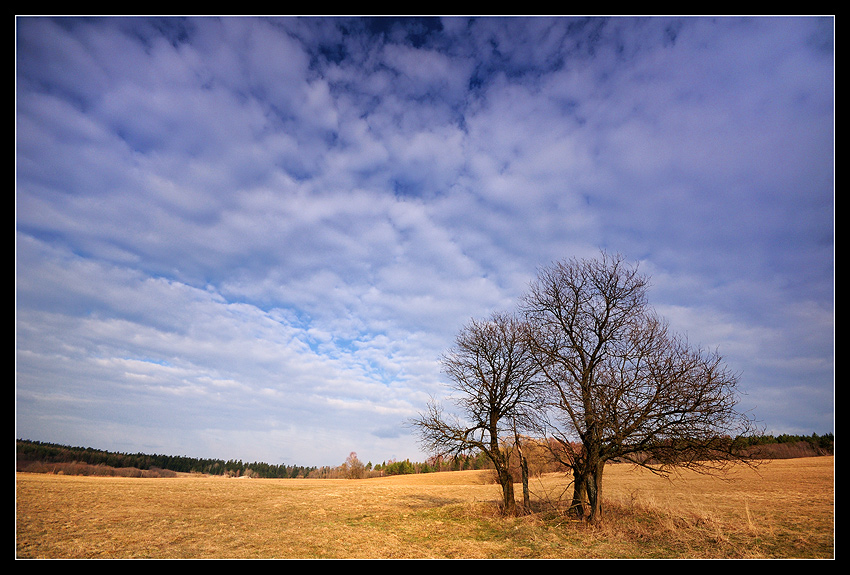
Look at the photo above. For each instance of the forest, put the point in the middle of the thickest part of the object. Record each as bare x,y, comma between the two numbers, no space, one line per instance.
39,457
28,452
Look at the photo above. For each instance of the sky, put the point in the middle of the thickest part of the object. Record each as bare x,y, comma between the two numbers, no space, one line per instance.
253,238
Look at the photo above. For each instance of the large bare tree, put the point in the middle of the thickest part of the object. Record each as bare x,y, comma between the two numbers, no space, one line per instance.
493,372
618,385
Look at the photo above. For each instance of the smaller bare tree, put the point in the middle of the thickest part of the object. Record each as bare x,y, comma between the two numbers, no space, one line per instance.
493,371
353,468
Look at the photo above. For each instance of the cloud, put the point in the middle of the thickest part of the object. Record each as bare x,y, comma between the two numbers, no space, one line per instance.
254,237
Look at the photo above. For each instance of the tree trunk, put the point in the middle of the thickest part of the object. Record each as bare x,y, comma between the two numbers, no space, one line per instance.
587,486
526,498
507,483
523,463
501,461
593,481
579,491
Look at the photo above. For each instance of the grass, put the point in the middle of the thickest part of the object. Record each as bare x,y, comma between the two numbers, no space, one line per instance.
785,511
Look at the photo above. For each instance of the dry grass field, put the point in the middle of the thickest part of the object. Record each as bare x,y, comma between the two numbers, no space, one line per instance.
784,511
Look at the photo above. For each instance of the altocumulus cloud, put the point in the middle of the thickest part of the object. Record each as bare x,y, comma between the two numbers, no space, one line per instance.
253,237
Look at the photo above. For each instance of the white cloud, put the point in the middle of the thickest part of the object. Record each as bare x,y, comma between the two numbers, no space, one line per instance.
288,220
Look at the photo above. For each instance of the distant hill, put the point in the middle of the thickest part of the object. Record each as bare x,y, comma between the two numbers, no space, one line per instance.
36,455
790,447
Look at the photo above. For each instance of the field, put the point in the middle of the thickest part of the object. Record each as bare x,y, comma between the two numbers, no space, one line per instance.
786,510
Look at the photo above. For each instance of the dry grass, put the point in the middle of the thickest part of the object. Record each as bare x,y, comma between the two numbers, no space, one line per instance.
787,511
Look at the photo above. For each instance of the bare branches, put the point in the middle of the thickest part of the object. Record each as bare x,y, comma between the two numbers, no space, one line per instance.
598,372
494,373
444,436
618,381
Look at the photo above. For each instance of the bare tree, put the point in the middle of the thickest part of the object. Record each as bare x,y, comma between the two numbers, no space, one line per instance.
618,385
494,374
353,468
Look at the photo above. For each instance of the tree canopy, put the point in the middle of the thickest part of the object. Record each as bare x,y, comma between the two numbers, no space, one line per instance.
588,363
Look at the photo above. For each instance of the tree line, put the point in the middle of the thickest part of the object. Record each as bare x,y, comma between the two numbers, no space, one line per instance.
353,468
36,451
825,442
28,452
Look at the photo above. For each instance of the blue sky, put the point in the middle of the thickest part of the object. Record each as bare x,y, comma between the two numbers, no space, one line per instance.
253,238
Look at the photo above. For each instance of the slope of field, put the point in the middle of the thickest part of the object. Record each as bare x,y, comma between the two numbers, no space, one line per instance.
786,510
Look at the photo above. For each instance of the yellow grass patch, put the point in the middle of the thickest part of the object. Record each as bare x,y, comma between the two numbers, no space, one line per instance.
786,511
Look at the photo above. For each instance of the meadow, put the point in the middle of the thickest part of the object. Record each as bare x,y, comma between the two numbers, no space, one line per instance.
785,509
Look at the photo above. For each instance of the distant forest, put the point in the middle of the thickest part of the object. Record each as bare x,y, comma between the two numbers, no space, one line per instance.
39,457
30,452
